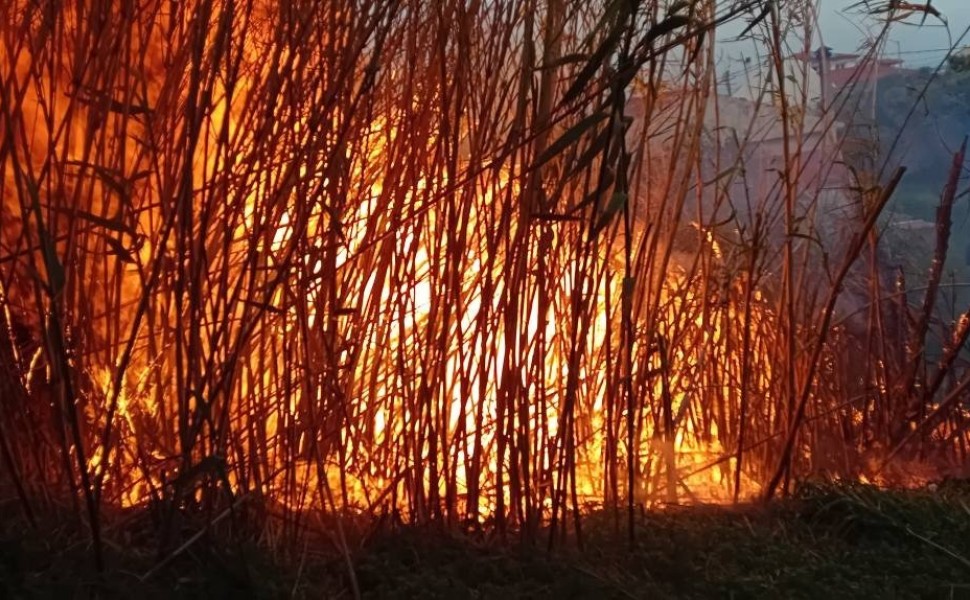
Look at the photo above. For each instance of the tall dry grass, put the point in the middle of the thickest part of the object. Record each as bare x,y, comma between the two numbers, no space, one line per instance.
438,262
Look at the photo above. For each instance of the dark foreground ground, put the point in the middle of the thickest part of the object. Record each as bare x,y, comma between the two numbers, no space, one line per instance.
829,542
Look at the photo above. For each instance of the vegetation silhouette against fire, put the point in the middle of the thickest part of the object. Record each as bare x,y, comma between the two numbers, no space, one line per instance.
446,261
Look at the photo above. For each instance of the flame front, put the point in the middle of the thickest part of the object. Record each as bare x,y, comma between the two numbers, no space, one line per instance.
315,249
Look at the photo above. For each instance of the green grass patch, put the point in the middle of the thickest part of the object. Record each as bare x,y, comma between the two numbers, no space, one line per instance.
828,542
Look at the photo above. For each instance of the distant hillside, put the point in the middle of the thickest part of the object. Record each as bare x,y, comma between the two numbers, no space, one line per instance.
934,131
921,121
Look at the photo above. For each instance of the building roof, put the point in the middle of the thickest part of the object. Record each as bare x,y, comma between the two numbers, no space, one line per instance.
864,74
813,56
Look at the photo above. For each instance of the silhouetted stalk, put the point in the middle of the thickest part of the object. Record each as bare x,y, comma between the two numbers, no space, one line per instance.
366,259
823,331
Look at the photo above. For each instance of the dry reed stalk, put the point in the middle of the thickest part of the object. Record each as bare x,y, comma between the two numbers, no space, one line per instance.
443,262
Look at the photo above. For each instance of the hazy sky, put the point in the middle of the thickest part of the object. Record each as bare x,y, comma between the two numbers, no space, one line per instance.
846,30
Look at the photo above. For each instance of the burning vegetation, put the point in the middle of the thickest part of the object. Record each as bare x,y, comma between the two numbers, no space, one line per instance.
494,262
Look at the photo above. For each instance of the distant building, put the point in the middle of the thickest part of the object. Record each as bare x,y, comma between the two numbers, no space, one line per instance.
839,72
848,63
822,76
757,77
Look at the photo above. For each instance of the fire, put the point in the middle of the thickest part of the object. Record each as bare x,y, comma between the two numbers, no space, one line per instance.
384,378
339,292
